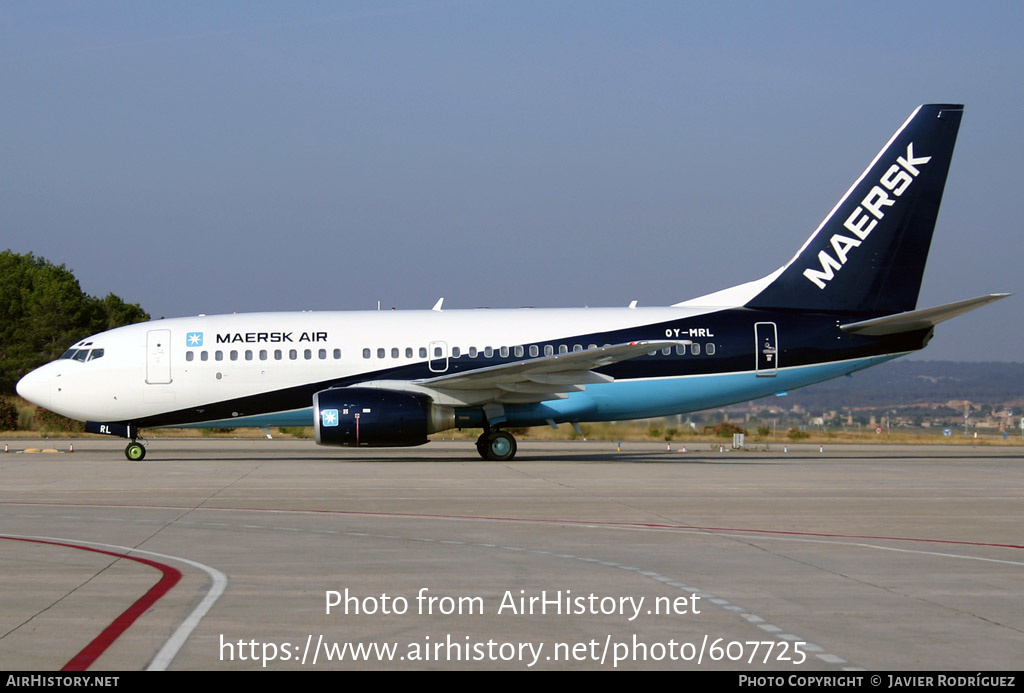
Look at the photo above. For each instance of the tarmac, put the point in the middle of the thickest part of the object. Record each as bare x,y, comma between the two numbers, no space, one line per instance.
219,554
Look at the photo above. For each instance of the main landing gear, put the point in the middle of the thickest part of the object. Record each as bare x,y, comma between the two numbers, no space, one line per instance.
135,451
496,446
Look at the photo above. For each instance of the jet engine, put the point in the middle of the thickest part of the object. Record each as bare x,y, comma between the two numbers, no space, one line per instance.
368,417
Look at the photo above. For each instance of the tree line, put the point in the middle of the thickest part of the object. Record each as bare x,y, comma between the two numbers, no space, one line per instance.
43,311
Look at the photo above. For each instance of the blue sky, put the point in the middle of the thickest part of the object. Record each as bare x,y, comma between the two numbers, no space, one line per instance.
200,157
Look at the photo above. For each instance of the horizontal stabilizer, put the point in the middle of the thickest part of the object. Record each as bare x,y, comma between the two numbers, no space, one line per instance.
917,319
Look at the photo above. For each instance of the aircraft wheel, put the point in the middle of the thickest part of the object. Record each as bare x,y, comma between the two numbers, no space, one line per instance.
499,446
135,452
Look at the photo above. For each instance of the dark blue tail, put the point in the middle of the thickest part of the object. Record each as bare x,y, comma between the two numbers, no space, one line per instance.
868,254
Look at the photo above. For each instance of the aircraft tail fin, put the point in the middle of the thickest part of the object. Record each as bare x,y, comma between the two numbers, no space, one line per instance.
868,255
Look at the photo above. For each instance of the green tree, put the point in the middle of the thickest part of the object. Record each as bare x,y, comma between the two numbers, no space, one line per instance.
8,416
43,311
112,312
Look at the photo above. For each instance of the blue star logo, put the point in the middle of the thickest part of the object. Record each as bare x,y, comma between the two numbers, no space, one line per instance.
329,417
194,339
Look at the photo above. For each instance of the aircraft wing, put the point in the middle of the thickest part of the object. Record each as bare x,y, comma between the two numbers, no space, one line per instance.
533,380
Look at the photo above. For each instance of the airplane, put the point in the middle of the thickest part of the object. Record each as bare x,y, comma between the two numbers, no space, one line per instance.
846,301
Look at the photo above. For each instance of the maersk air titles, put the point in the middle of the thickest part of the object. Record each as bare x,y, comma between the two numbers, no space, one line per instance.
265,337
846,301
864,218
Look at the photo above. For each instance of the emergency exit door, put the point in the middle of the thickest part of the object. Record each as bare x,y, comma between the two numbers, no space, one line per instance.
438,355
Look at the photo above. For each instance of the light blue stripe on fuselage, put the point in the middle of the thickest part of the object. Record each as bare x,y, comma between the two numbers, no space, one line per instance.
641,399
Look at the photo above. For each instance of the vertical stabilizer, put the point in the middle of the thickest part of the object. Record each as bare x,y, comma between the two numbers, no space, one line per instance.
868,255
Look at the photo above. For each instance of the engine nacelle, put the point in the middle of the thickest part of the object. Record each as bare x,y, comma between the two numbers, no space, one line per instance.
368,417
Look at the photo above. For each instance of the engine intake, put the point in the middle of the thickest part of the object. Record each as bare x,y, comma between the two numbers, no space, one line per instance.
368,417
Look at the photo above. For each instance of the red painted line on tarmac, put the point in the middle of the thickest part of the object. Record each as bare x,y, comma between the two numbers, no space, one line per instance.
169,578
599,523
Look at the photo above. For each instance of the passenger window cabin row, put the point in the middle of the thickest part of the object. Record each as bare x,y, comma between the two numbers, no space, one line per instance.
520,351
534,350
264,355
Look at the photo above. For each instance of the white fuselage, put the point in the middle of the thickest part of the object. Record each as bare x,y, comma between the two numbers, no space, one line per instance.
173,364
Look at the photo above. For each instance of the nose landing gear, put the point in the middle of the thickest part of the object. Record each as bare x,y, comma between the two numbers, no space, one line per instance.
135,451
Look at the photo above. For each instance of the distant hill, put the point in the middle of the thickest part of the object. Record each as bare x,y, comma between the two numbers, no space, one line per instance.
902,383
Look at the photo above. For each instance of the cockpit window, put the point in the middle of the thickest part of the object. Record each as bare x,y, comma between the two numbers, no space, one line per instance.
82,355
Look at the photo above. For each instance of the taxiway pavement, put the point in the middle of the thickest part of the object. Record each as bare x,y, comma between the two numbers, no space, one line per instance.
227,554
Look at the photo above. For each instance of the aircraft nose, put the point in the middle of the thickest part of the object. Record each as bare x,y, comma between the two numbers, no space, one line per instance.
35,387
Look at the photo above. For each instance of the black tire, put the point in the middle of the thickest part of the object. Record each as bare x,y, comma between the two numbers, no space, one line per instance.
499,446
136,452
